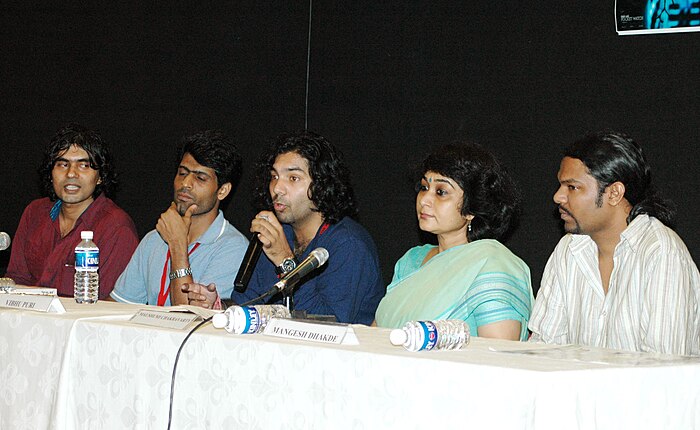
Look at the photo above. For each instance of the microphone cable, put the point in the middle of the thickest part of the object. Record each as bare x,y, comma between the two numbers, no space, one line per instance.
320,255
177,358
271,292
260,298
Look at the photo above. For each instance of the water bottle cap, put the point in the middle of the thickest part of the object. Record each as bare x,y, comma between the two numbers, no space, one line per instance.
398,336
87,234
219,320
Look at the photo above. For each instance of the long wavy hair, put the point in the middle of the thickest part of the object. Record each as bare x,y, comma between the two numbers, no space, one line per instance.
490,194
330,189
98,154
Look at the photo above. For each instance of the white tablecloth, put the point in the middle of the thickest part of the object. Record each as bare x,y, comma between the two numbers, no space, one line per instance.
91,368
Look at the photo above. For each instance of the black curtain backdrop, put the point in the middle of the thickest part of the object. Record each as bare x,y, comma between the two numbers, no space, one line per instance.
389,81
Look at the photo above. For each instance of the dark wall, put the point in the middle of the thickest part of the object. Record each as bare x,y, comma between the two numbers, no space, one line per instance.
388,82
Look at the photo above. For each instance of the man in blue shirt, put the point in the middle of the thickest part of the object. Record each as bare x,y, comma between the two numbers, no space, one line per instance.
192,241
306,201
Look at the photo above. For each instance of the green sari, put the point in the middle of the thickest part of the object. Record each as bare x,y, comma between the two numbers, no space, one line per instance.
481,282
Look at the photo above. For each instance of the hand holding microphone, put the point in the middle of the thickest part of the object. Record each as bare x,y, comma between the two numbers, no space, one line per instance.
316,258
265,232
271,235
268,236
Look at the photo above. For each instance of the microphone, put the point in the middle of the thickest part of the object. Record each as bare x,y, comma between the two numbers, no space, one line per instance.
245,271
4,241
317,258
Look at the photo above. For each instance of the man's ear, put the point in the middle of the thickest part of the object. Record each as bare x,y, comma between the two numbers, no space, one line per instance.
616,192
223,191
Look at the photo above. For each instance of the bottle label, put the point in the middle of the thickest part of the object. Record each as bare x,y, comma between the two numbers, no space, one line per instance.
87,260
429,335
252,319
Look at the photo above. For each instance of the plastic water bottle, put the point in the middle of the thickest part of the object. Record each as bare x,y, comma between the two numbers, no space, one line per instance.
87,262
248,319
428,335
6,285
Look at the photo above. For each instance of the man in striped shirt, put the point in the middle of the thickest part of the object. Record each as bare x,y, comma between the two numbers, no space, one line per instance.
620,278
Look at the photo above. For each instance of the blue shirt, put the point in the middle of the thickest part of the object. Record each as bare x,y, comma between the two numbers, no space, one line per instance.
216,260
348,286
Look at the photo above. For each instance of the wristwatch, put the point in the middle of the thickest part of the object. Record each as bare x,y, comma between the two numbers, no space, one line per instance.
180,273
288,264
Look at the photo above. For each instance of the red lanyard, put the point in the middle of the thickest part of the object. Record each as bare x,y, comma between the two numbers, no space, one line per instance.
323,228
164,294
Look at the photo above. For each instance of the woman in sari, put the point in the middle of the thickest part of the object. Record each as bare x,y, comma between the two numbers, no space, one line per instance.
468,201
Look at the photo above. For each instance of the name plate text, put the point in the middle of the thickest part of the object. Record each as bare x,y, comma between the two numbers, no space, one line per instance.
311,331
176,320
30,302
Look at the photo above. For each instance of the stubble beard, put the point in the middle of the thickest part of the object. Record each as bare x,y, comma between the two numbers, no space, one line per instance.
284,218
576,229
182,208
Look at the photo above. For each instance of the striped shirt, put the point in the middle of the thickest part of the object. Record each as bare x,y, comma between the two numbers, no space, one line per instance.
652,299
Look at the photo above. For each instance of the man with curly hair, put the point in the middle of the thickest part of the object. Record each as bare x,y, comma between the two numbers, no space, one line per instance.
306,201
78,179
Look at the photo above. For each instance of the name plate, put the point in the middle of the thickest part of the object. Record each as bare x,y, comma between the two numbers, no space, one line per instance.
311,331
32,302
176,320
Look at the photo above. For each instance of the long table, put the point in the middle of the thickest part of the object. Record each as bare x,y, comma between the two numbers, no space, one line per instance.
91,368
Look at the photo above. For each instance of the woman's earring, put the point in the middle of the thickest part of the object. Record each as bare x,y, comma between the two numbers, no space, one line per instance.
469,227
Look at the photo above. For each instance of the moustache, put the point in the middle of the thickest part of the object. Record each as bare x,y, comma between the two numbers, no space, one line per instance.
567,212
183,191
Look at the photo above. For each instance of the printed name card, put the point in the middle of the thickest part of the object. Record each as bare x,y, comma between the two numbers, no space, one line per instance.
311,331
176,320
32,302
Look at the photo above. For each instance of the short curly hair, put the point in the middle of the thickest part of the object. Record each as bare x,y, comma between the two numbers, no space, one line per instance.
215,150
330,189
489,192
98,154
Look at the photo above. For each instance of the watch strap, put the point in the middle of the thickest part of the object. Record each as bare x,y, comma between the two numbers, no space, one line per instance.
180,273
287,265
